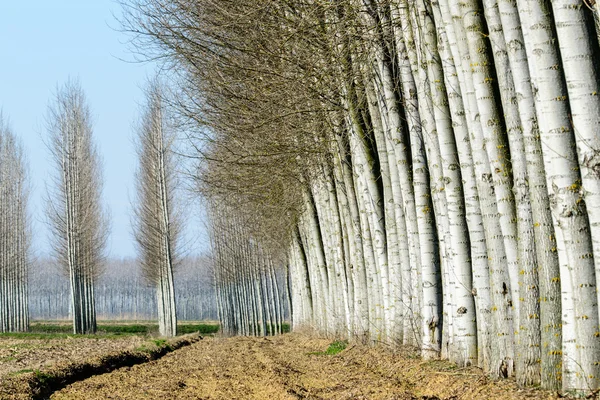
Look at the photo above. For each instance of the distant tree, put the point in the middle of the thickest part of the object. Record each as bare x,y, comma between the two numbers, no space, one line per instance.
14,234
49,290
78,221
156,224
121,293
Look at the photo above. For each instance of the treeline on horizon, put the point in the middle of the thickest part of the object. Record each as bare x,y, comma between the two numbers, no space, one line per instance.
427,170
122,293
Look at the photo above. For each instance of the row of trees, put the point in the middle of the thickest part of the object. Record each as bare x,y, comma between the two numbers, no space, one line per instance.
249,295
430,167
78,220
14,233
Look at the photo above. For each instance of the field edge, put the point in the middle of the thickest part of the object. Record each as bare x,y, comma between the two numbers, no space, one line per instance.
38,385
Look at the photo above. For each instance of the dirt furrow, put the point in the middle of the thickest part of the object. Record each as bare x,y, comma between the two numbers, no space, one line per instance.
40,385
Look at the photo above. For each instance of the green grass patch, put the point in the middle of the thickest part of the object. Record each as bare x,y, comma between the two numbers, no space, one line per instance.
203,329
121,329
45,330
50,328
42,377
153,345
131,329
334,348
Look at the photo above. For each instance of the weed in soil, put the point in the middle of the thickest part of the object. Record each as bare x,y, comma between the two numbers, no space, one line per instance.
334,348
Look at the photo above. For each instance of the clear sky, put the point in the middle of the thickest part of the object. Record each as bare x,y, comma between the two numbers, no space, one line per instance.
44,43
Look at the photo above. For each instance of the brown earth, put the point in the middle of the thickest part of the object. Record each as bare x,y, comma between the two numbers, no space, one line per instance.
286,367
24,355
41,383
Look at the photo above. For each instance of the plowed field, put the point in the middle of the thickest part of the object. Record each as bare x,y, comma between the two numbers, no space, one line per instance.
292,366
18,355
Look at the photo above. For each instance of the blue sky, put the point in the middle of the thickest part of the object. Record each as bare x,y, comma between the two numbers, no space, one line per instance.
43,44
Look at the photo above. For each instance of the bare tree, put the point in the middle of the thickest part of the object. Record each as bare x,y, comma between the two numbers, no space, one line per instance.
15,233
157,224
245,276
78,221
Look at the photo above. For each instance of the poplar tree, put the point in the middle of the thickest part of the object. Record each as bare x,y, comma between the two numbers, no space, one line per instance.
157,223
15,233
78,222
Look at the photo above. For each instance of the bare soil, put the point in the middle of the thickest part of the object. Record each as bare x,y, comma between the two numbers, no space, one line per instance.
292,366
22,355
